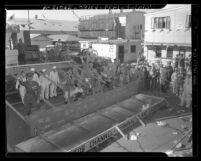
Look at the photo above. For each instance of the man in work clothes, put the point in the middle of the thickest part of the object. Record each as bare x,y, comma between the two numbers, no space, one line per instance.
32,96
45,84
187,92
22,89
169,69
163,79
55,78
35,75
21,52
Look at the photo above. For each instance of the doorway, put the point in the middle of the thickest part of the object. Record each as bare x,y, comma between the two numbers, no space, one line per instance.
121,54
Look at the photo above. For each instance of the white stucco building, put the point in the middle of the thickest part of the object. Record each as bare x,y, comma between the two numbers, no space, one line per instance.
124,50
168,33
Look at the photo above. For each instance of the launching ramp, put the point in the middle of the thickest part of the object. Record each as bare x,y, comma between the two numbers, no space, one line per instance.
87,132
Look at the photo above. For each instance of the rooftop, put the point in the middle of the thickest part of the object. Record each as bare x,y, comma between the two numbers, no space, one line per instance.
45,25
168,7
116,41
64,38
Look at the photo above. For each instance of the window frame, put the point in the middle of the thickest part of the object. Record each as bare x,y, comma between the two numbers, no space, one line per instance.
156,51
152,23
160,20
168,21
155,22
168,52
131,49
164,22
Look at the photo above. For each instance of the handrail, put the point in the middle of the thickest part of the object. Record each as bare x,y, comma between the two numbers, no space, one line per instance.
19,114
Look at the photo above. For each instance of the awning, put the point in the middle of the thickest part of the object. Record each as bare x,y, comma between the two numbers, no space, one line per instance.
166,44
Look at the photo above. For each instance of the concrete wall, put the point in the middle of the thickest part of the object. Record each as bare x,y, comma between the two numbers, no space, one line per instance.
132,56
105,50
178,18
134,19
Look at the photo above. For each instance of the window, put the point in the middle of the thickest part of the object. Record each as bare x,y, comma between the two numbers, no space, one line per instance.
188,21
152,23
158,52
140,26
164,24
160,22
155,22
168,22
170,52
133,48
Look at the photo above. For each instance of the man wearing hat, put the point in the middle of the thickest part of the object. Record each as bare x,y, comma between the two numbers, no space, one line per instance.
187,92
32,96
22,89
55,78
35,76
45,83
169,69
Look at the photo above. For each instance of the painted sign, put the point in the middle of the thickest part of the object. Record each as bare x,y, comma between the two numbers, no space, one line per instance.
96,141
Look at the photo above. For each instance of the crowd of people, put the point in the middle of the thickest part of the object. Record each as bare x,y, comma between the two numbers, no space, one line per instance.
99,75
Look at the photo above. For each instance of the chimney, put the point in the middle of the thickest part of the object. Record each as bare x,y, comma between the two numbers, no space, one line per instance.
110,11
121,10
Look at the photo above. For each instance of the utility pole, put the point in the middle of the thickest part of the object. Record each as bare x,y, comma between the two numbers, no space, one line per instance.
28,21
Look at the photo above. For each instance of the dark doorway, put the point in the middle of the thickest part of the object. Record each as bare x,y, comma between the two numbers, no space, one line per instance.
121,54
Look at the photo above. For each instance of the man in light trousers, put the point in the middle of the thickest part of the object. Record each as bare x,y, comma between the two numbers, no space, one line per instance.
55,78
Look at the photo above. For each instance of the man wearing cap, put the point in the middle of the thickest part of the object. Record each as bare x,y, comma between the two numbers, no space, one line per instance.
169,73
163,79
174,79
187,92
44,83
32,96
55,78
22,89
35,76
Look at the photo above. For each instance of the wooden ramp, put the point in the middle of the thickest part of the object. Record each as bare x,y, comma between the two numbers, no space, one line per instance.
87,132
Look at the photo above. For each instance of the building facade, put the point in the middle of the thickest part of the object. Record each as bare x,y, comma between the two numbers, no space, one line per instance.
168,33
125,25
124,50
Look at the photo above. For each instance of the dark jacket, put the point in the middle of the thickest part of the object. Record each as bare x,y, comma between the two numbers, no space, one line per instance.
164,76
32,89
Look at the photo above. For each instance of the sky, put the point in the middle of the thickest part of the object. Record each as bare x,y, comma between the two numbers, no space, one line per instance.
57,14
65,14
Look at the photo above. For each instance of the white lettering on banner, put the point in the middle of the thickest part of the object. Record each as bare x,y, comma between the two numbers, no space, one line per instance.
93,143
128,123
80,149
100,139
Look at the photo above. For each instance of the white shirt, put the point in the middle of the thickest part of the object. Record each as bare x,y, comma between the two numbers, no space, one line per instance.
54,76
43,80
